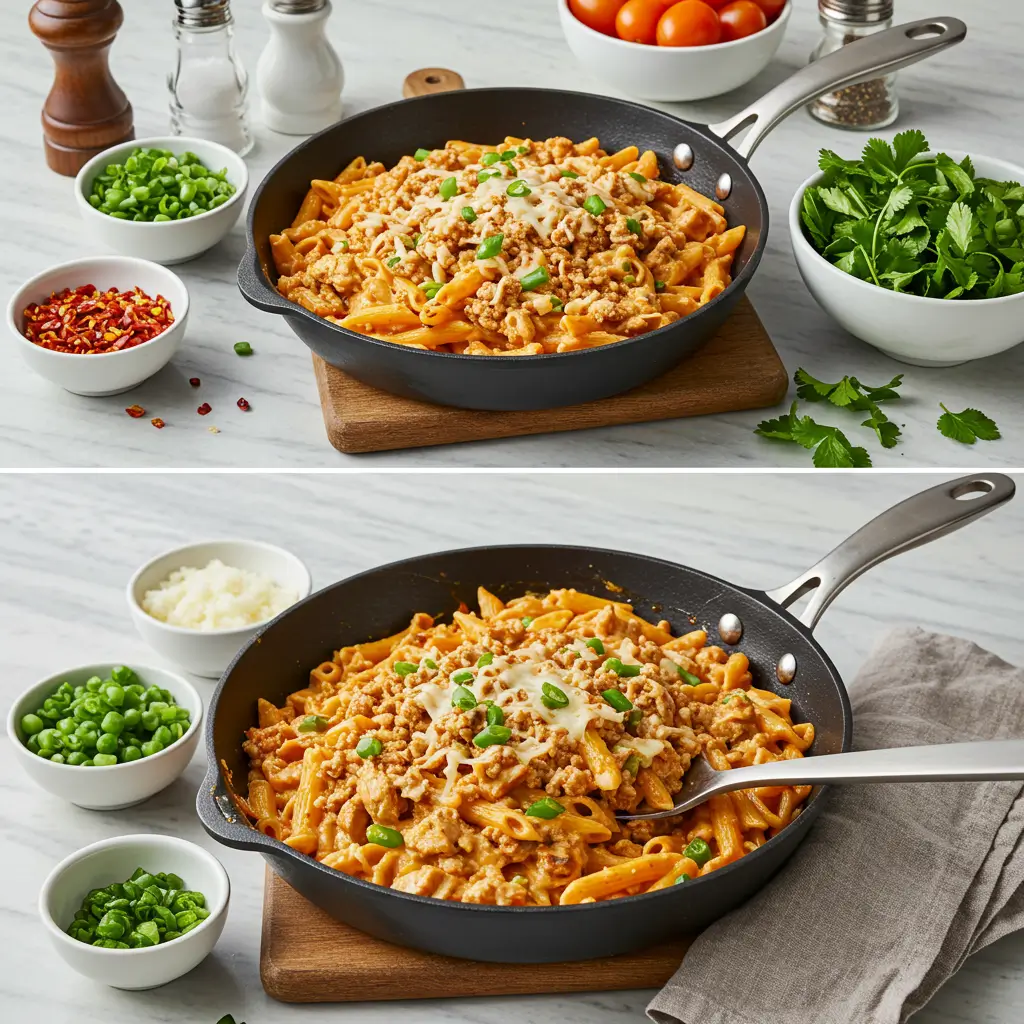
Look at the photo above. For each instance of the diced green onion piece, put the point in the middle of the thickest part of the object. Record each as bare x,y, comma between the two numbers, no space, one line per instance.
527,619
659,286
492,735
633,718
594,205
394,261
546,807
369,746
556,303
569,174
430,663
421,154
463,698
534,279
522,150
312,723
494,714
381,835
631,765
629,279
416,239
489,158
508,154
449,187
682,878
490,247
520,880
634,225
404,668
486,658
464,675
468,214
243,348
617,699
637,177
552,697
627,266
482,176
595,644
699,852
518,188
622,670
430,289
688,677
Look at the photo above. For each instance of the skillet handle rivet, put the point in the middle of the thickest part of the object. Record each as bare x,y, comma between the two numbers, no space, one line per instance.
785,671
682,156
730,629
724,186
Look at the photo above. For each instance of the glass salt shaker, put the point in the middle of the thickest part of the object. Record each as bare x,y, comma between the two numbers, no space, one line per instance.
208,86
867,105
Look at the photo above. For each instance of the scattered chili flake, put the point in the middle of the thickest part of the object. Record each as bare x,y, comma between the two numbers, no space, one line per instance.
86,321
158,423
243,405
194,381
203,409
135,411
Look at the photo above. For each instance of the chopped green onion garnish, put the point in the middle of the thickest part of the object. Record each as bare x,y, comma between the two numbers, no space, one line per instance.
622,670
595,645
659,286
494,714
243,348
312,723
520,880
637,177
522,150
430,663
486,658
617,699
490,247
634,225
421,154
430,289
381,835
688,677
633,718
482,176
569,174
631,765
552,697
534,279
699,852
492,735
518,188
468,214
629,279
369,746
489,158
416,239
449,187
546,807
394,261
626,266
463,698
556,302
464,675
508,154
594,205
404,668
527,619
682,878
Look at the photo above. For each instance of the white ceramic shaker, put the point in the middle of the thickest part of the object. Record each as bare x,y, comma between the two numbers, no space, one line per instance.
299,75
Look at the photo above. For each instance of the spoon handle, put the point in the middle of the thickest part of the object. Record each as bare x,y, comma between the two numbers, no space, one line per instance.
944,762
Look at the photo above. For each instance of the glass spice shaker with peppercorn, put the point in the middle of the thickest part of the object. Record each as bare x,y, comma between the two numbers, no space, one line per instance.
867,105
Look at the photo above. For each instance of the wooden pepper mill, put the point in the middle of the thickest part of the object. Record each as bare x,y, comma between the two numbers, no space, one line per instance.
86,111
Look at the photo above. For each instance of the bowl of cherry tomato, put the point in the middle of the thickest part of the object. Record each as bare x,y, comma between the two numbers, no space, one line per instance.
665,50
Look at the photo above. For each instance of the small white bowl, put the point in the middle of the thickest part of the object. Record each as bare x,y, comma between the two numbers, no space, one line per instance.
208,653
114,860
105,373
912,329
167,241
672,72
107,787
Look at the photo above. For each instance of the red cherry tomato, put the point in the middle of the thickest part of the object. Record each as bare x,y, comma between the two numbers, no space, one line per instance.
597,14
741,18
637,20
717,4
689,23
772,8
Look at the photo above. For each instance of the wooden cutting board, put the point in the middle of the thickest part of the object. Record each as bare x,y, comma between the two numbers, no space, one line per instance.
308,957
737,369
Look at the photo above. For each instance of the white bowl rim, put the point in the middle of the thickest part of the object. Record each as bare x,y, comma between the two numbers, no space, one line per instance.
779,22
72,265
799,239
12,724
236,630
88,171
116,841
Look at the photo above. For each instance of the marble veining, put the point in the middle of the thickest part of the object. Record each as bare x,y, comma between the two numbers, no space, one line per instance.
965,99
69,544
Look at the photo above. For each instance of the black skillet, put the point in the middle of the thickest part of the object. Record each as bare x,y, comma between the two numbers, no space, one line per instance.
695,154
779,644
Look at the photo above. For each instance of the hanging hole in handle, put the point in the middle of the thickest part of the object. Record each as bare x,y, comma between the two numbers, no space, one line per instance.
973,489
926,31
808,586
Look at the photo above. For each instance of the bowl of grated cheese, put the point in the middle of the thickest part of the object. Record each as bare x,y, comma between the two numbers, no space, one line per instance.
198,605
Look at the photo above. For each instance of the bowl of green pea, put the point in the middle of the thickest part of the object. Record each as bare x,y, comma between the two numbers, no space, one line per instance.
135,911
108,735
165,199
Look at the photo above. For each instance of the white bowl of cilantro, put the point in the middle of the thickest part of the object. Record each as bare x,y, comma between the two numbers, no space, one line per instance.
920,254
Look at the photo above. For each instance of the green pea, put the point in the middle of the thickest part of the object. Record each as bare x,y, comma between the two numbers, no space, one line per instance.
57,758
163,736
169,715
243,348
33,743
153,693
114,695
67,726
104,760
150,720
381,835
107,744
698,851
177,731
113,722
76,757
369,746
131,753
32,724
50,739
87,763
132,716
151,747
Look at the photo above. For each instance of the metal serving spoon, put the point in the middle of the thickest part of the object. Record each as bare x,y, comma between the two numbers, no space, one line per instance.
982,761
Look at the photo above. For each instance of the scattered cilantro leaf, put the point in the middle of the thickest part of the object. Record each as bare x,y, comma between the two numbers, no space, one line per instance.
832,448
967,426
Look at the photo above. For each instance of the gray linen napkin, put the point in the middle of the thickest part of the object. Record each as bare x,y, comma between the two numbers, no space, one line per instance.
896,885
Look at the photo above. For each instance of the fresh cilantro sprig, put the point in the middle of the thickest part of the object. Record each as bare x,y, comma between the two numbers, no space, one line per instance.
832,448
850,393
925,226
967,426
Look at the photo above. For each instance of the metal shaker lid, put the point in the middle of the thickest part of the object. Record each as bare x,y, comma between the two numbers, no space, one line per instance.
863,12
203,13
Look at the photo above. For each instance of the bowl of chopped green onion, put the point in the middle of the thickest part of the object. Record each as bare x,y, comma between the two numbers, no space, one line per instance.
135,911
165,199
106,736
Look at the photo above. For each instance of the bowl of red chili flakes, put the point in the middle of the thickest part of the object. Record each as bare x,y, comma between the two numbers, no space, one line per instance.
99,326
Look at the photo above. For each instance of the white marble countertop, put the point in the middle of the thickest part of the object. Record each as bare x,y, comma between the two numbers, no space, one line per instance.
69,545
966,98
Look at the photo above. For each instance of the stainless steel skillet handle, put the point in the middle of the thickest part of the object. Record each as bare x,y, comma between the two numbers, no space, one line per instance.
918,520
861,61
